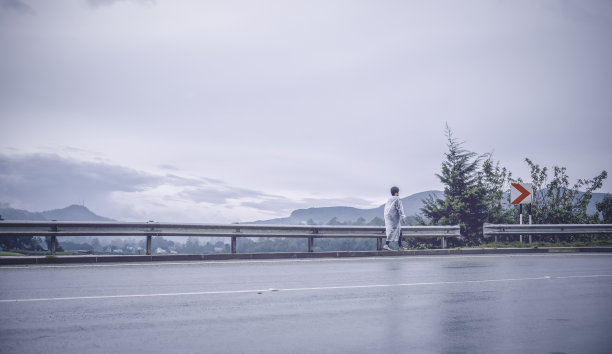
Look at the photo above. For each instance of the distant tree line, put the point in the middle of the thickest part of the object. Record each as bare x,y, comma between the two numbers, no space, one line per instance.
359,222
376,221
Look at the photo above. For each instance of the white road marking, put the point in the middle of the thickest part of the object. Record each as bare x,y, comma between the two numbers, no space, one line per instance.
343,287
584,276
293,260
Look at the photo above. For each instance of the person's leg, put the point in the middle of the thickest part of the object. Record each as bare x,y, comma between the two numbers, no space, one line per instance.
388,239
391,237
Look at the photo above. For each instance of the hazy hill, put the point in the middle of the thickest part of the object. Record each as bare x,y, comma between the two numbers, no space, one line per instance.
412,205
71,213
8,213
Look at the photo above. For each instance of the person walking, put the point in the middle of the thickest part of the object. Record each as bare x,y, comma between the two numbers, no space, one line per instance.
394,212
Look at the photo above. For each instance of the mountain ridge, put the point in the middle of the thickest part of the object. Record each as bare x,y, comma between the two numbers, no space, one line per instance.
70,213
322,215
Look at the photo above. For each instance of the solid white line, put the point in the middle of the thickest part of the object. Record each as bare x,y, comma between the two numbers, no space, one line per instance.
130,296
345,287
293,260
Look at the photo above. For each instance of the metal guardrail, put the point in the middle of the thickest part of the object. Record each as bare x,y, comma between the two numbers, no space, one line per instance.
496,230
149,229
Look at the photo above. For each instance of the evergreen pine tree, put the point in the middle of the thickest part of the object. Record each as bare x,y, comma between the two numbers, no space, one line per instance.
472,195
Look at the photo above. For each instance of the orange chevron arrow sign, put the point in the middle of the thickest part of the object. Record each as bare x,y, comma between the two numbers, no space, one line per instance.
520,193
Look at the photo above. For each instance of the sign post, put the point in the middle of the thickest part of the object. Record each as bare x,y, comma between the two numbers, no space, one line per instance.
522,193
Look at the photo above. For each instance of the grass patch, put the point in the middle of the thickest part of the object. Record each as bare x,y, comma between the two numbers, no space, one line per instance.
35,253
516,244
4,253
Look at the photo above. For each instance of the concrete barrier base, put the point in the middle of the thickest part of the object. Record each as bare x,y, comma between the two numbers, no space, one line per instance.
287,255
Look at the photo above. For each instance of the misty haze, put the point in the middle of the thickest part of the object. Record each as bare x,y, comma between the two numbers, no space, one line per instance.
195,176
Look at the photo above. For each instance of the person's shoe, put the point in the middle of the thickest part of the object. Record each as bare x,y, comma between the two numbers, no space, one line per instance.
387,248
402,248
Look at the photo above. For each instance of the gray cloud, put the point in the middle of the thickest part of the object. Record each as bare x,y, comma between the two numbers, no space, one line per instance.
18,6
208,195
98,3
220,194
49,181
43,181
281,204
168,167
186,182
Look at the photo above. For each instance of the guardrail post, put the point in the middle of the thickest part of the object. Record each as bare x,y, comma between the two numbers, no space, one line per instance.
234,241
311,240
53,245
530,222
443,242
379,243
149,237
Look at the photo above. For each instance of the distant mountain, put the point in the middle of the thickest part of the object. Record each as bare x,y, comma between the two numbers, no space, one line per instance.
595,198
71,213
321,216
8,213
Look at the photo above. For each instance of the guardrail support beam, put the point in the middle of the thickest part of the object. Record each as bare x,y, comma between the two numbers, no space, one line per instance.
53,229
553,230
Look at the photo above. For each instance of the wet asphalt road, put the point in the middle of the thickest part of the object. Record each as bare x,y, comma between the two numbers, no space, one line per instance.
448,304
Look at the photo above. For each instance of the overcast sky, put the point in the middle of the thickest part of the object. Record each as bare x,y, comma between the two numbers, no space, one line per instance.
238,110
